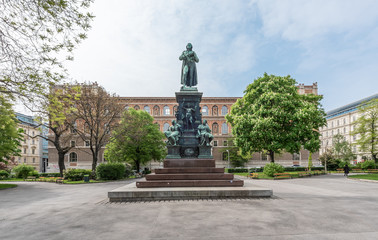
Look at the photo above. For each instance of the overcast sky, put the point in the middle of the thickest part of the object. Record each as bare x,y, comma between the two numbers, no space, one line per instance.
134,45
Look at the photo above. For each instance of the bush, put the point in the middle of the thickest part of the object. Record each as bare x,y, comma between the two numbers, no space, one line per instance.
369,164
76,174
49,174
271,168
260,169
34,174
4,174
343,163
110,171
23,171
237,170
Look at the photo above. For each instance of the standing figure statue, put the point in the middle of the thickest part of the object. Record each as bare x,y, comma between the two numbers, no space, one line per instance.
189,70
189,118
204,134
173,133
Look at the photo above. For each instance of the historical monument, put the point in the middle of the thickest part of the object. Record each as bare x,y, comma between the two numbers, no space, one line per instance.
189,169
189,161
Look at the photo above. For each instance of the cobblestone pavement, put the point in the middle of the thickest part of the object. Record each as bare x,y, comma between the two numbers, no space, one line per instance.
320,207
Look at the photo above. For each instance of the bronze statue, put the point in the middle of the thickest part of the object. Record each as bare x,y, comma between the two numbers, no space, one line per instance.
173,133
189,70
204,134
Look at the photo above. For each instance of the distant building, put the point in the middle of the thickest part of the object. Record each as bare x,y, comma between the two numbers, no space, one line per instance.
340,121
33,147
163,110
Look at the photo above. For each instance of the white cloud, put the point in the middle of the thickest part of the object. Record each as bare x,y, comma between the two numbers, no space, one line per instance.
134,46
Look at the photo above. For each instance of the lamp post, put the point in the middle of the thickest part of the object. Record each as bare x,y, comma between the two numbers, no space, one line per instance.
228,157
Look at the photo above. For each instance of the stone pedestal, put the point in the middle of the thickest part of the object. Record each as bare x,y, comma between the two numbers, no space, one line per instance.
173,152
205,152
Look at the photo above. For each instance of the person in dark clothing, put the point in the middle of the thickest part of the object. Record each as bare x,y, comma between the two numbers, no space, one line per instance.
346,170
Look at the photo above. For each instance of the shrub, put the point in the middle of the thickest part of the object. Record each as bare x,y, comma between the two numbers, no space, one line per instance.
110,171
343,163
23,170
271,168
128,171
369,164
49,174
260,169
237,170
4,174
34,174
76,174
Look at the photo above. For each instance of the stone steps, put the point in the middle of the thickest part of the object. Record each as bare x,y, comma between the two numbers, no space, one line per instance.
190,176
190,183
189,170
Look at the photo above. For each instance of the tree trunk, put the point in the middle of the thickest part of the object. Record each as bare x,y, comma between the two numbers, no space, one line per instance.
271,154
61,163
94,163
137,165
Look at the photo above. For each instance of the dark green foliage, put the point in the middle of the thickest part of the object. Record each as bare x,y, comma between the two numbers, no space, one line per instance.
49,174
110,171
4,174
271,168
23,171
369,164
10,134
34,174
76,174
237,170
273,117
137,140
261,169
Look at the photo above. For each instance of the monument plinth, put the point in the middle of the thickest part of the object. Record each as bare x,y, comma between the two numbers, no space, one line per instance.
189,169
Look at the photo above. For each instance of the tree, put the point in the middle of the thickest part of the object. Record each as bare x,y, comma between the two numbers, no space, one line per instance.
10,134
137,140
342,149
36,37
273,117
98,113
328,159
236,159
366,127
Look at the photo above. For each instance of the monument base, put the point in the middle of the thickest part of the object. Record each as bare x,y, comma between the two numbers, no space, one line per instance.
130,193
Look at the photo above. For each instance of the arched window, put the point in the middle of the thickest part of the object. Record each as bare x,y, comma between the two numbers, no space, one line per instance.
166,111
215,111
156,111
215,128
136,107
165,127
147,109
126,107
224,110
73,157
296,156
224,128
205,111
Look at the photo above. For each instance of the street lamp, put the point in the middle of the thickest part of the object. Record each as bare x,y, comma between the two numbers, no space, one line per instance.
228,157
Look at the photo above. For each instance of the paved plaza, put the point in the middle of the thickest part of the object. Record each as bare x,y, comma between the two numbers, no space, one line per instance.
321,207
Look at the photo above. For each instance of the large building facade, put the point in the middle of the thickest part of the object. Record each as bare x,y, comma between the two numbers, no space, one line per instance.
33,146
341,121
163,109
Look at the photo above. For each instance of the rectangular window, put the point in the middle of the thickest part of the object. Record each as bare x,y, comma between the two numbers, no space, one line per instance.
338,123
296,156
87,143
33,151
344,120
354,137
24,150
24,160
33,160
215,143
264,157
73,143
344,130
33,141
225,143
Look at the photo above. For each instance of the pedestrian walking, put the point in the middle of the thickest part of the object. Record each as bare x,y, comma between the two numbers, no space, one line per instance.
346,170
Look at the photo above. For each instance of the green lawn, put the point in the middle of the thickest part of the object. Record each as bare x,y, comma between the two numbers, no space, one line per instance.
13,180
5,185
372,176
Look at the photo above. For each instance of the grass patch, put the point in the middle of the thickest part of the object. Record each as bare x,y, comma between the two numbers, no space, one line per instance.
5,186
12,180
373,176
82,181
261,175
